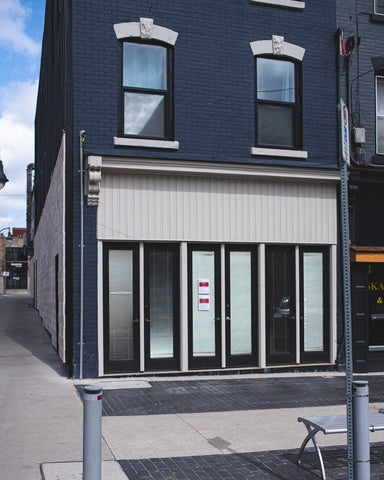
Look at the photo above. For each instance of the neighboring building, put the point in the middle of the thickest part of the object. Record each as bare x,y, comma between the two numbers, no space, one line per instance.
13,261
210,206
362,87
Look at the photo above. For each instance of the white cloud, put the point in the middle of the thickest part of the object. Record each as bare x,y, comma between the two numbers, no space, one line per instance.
17,101
13,17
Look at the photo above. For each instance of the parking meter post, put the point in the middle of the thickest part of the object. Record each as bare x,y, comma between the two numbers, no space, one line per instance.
360,409
92,432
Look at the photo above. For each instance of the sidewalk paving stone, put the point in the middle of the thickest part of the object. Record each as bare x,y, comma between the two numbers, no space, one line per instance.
222,395
271,465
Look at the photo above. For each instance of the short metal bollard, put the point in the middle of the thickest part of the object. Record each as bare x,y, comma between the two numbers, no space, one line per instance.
360,410
93,395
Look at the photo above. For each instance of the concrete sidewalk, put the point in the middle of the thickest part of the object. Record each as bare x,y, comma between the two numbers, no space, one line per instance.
160,428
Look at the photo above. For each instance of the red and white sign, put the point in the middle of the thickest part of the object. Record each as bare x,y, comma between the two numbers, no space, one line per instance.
204,286
204,302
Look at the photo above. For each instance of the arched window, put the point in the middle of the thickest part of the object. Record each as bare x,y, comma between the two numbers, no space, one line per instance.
277,94
146,80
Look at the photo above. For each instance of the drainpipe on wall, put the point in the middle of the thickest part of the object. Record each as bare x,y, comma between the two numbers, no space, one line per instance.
82,135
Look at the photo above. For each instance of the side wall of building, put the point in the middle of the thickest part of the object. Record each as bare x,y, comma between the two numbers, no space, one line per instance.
47,263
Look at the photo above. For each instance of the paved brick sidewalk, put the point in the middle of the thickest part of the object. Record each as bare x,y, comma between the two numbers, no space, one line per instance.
168,397
224,395
272,465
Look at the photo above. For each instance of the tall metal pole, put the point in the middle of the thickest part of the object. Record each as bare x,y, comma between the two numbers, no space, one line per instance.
344,220
82,135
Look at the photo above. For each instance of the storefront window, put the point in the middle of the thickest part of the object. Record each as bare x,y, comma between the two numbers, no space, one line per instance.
376,305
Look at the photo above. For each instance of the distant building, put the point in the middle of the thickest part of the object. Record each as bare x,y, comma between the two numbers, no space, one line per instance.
13,261
210,185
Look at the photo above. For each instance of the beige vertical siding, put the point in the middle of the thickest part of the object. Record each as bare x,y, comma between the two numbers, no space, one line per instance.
155,207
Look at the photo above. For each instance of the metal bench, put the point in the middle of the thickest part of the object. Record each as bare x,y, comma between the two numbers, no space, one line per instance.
332,424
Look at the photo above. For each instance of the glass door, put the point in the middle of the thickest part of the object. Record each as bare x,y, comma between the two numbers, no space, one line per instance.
280,305
204,307
161,307
121,308
314,308
241,306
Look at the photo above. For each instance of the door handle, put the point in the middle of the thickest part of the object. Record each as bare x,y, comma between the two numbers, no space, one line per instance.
228,319
217,319
136,320
147,320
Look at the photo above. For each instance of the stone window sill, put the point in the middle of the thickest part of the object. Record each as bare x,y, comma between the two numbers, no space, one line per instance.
277,152
142,142
295,4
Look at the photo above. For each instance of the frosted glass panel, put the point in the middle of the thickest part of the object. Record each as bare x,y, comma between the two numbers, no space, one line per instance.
203,303
161,303
120,305
313,301
241,302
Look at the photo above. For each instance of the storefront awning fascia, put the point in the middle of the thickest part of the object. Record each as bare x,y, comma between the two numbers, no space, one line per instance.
367,254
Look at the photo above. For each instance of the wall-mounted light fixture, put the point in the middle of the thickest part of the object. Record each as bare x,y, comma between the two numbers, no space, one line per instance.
9,236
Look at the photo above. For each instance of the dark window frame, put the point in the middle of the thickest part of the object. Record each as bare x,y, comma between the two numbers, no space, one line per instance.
167,93
296,107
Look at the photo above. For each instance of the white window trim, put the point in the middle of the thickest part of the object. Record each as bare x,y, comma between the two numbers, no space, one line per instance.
277,152
295,4
268,47
138,30
143,142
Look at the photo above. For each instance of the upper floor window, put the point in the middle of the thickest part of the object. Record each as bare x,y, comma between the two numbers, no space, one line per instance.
277,104
380,115
147,95
379,7
146,104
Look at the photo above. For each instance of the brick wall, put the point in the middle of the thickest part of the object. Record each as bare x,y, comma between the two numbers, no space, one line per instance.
49,242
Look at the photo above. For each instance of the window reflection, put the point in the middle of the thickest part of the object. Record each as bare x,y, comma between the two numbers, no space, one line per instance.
144,114
144,66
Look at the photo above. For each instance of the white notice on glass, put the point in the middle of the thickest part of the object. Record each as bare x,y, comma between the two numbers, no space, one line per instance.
204,286
204,303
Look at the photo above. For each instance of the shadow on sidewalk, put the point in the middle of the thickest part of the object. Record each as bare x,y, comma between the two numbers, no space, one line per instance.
21,323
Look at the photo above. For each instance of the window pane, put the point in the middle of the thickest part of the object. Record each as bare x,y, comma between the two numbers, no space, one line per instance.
161,303
274,125
379,6
203,306
120,305
281,299
144,114
380,96
275,80
145,66
313,301
380,135
241,303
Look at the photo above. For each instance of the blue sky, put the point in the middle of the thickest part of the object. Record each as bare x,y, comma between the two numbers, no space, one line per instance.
21,29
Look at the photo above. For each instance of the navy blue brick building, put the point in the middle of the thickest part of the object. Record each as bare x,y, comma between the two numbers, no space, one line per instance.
206,237
361,79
